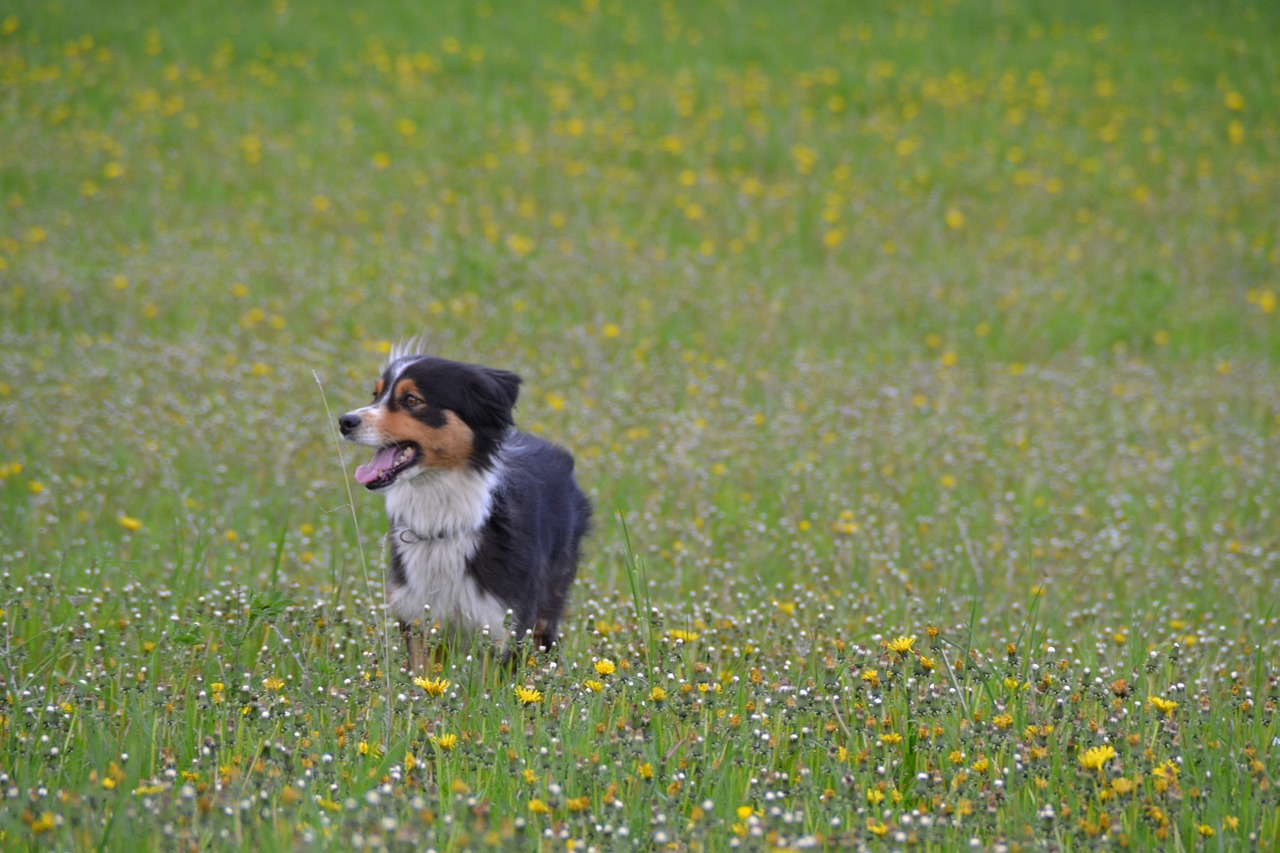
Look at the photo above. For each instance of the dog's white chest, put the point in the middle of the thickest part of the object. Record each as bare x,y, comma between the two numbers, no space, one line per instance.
435,584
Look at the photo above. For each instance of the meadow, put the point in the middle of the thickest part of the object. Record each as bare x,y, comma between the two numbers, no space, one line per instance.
920,359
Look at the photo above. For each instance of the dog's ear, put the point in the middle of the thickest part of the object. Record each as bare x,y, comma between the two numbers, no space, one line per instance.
492,395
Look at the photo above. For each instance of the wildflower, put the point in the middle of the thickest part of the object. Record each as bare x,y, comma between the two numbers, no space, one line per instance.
593,685
871,676
578,804
44,823
1097,757
129,523
1164,706
432,686
955,219
682,636
657,694
409,761
605,667
446,741
1205,830
891,738
902,645
539,807
520,245
527,695
877,827
645,771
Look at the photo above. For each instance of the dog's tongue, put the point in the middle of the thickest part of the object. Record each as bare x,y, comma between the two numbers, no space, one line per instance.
381,462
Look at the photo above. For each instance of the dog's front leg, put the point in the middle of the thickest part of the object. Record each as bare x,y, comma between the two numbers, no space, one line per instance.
416,646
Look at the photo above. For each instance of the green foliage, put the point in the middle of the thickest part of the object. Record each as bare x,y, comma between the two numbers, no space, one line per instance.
925,354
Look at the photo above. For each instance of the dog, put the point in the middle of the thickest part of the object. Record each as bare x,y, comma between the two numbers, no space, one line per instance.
486,521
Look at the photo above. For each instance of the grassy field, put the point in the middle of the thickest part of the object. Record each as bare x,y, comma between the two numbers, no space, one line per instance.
921,360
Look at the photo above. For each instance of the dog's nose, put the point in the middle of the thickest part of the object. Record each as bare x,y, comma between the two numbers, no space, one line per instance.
348,422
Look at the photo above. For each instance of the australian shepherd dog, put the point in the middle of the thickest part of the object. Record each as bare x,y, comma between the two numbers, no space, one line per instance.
486,521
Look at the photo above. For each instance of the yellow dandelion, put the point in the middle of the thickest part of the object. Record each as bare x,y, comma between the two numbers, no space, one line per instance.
539,807
902,645
657,694
130,523
1097,757
432,686
683,636
446,741
605,667
1164,706
593,685
527,695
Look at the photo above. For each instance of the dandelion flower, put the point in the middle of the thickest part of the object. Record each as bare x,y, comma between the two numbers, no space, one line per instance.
432,686
539,807
527,695
130,523
605,667
1164,706
446,741
1097,757
902,645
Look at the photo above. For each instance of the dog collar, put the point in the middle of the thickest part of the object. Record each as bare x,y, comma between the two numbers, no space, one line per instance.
409,536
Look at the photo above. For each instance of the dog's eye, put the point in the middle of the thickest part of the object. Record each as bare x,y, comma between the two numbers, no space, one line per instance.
411,401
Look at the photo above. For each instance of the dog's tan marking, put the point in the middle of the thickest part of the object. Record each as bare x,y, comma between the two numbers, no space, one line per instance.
405,387
447,446
377,389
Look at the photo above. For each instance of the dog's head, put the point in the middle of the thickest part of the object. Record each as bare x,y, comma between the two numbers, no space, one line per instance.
431,414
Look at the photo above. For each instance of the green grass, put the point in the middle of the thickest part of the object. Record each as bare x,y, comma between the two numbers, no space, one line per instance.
954,321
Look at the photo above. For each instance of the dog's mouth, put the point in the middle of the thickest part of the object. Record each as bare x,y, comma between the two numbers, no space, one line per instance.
387,464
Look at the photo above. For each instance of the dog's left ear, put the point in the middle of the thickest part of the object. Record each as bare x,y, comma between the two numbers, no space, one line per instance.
493,396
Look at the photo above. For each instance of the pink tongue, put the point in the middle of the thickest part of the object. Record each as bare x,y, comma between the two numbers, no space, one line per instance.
381,462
